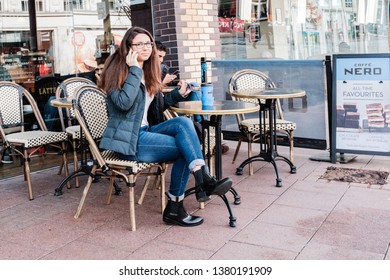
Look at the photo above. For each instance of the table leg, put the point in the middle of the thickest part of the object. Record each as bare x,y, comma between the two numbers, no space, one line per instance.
216,122
273,144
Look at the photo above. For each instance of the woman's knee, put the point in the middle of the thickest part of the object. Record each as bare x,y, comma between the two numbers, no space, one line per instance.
186,122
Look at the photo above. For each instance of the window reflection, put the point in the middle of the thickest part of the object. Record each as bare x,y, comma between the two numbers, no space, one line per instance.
302,29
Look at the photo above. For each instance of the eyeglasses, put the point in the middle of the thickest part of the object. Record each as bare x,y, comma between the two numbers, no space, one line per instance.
140,46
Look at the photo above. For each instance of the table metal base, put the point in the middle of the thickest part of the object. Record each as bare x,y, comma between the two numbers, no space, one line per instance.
342,158
268,141
232,219
84,170
237,197
268,158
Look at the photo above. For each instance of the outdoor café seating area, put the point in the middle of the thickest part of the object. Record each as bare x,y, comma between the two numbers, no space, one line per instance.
307,218
281,205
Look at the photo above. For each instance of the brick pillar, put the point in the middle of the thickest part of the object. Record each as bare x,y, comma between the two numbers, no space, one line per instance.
165,29
189,28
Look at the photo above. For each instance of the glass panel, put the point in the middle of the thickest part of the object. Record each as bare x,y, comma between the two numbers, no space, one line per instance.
88,38
63,45
301,29
309,113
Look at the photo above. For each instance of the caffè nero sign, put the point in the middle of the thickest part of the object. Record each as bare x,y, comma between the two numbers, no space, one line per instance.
361,104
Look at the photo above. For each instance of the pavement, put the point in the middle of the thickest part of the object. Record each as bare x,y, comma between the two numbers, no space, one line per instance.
308,218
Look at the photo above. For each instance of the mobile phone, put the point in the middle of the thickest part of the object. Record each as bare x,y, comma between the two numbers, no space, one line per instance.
177,72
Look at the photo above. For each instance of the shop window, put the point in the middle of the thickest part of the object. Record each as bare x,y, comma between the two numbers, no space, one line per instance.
112,5
70,5
117,5
67,5
78,4
39,6
24,6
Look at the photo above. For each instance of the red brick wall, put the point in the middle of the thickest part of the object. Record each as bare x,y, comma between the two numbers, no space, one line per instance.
190,30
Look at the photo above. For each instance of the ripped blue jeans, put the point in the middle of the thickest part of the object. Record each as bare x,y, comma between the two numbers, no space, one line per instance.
172,140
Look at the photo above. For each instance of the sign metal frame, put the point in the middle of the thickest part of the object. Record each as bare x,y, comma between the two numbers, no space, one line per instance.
360,121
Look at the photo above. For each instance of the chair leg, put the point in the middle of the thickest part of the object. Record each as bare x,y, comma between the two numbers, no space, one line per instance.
75,163
62,165
156,182
237,149
131,203
85,192
145,188
211,169
250,140
110,189
27,173
291,138
60,169
65,163
162,191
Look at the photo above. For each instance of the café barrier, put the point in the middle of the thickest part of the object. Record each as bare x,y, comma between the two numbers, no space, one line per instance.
309,113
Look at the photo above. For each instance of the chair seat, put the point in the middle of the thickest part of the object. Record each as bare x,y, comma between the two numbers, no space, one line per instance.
74,131
112,159
253,125
36,138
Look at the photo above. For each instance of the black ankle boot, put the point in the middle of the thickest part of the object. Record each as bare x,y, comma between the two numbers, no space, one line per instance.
175,214
200,194
206,185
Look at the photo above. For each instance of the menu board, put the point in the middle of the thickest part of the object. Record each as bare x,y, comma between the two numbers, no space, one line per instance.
361,104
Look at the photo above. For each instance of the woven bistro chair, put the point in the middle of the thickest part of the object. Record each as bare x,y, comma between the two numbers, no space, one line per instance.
16,137
67,89
250,127
90,108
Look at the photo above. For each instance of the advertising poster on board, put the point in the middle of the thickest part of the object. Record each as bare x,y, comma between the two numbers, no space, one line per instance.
361,104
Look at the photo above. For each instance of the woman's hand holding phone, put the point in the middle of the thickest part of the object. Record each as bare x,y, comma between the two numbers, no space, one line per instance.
131,58
185,88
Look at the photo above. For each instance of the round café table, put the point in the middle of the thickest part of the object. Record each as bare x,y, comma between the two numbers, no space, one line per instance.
61,103
268,145
215,113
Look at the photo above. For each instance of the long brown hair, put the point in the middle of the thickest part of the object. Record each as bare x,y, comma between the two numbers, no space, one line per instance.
116,70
